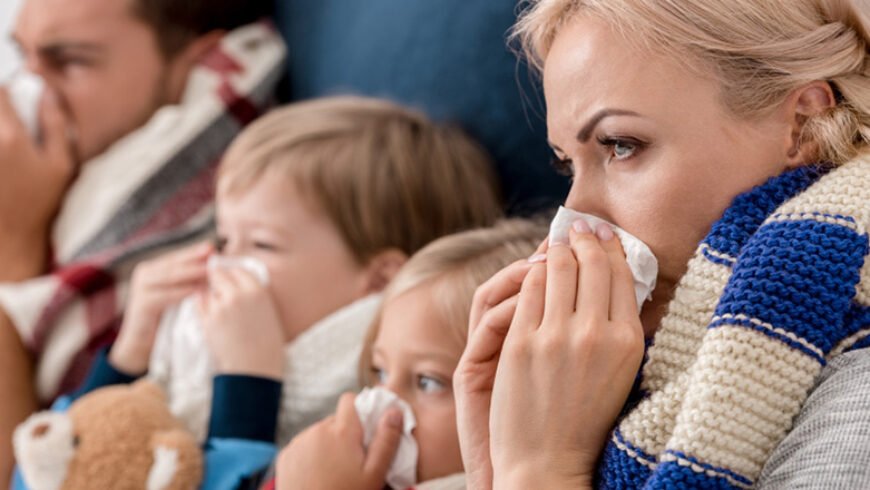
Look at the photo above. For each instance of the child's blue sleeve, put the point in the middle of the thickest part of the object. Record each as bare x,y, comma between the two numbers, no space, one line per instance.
244,419
102,374
229,462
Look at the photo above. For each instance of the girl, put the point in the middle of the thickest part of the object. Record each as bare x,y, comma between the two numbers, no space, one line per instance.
412,350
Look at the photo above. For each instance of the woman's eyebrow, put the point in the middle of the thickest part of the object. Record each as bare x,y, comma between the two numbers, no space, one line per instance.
586,131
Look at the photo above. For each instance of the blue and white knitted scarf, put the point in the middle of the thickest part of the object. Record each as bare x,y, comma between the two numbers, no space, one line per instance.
777,288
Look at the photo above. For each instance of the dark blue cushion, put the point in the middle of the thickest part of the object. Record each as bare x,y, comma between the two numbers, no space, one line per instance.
446,57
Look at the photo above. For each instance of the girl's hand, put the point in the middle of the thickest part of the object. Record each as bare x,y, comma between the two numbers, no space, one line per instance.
330,455
241,325
155,286
567,365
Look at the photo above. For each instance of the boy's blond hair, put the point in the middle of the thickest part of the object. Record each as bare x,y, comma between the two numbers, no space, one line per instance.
387,177
453,267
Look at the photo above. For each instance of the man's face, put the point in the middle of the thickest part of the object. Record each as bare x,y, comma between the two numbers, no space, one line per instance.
102,62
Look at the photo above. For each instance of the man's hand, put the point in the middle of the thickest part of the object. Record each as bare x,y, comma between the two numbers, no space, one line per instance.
34,177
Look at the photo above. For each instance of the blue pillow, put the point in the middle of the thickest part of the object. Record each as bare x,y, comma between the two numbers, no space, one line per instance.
446,57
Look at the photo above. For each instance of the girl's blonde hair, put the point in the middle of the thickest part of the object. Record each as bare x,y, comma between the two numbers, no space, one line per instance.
759,50
386,176
453,267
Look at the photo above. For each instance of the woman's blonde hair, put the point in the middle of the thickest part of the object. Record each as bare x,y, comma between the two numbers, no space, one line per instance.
760,51
387,177
453,267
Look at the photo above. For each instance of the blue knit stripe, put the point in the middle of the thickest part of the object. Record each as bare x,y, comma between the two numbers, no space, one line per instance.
725,472
673,475
806,287
749,323
717,257
863,343
858,320
619,470
751,209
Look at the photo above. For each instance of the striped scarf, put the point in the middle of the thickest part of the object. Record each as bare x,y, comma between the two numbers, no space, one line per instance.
150,191
777,289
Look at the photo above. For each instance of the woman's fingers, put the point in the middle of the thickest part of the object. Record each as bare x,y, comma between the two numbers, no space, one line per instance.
623,302
504,284
488,339
530,309
561,289
593,298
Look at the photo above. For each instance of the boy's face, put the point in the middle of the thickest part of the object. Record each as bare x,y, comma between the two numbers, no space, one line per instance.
414,356
312,272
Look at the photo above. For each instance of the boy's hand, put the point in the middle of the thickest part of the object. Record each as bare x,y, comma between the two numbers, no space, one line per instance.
156,285
241,325
330,454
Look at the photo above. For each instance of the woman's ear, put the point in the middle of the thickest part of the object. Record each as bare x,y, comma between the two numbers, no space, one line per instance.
805,103
381,269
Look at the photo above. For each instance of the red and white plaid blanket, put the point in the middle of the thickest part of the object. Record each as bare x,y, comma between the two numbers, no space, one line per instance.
151,191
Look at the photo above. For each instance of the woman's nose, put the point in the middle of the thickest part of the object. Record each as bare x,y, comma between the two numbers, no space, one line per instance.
587,196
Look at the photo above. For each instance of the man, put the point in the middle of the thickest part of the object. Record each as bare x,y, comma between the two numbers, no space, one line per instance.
109,66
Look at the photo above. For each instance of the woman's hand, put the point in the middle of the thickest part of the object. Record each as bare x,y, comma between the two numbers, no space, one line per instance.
241,325
156,285
330,454
567,365
491,313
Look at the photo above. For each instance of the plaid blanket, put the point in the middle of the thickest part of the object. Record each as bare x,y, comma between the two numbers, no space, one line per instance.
151,191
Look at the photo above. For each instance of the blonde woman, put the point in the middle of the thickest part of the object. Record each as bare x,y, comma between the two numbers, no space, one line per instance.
732,137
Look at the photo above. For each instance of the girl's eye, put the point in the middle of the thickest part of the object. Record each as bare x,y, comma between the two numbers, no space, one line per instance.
379,375
563,166
621,148
428,384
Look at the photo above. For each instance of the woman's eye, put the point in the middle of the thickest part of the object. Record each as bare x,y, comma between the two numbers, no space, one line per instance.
428,384
621,148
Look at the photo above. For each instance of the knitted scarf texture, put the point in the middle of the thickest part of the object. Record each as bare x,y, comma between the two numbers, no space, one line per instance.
777,289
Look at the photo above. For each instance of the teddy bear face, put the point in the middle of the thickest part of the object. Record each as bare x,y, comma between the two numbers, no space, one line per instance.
107,440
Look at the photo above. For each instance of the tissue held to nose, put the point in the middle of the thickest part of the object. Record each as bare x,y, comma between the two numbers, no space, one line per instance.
643,264
25,90
371,404
249,264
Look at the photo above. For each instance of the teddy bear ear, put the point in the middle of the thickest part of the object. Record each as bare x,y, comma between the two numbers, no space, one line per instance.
150,389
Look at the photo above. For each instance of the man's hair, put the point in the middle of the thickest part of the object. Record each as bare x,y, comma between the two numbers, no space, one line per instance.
178,22
387,177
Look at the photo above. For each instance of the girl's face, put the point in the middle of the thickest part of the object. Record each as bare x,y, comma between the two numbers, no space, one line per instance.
414,356
312,272
650,145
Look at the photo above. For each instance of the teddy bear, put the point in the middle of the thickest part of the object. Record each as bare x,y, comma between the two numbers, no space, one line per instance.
119,438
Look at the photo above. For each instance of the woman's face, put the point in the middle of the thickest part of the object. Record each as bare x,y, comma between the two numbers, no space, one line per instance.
650,145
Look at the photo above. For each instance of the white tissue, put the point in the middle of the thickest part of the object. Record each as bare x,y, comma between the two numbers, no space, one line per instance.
25,90
370,405
250,264
643,264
